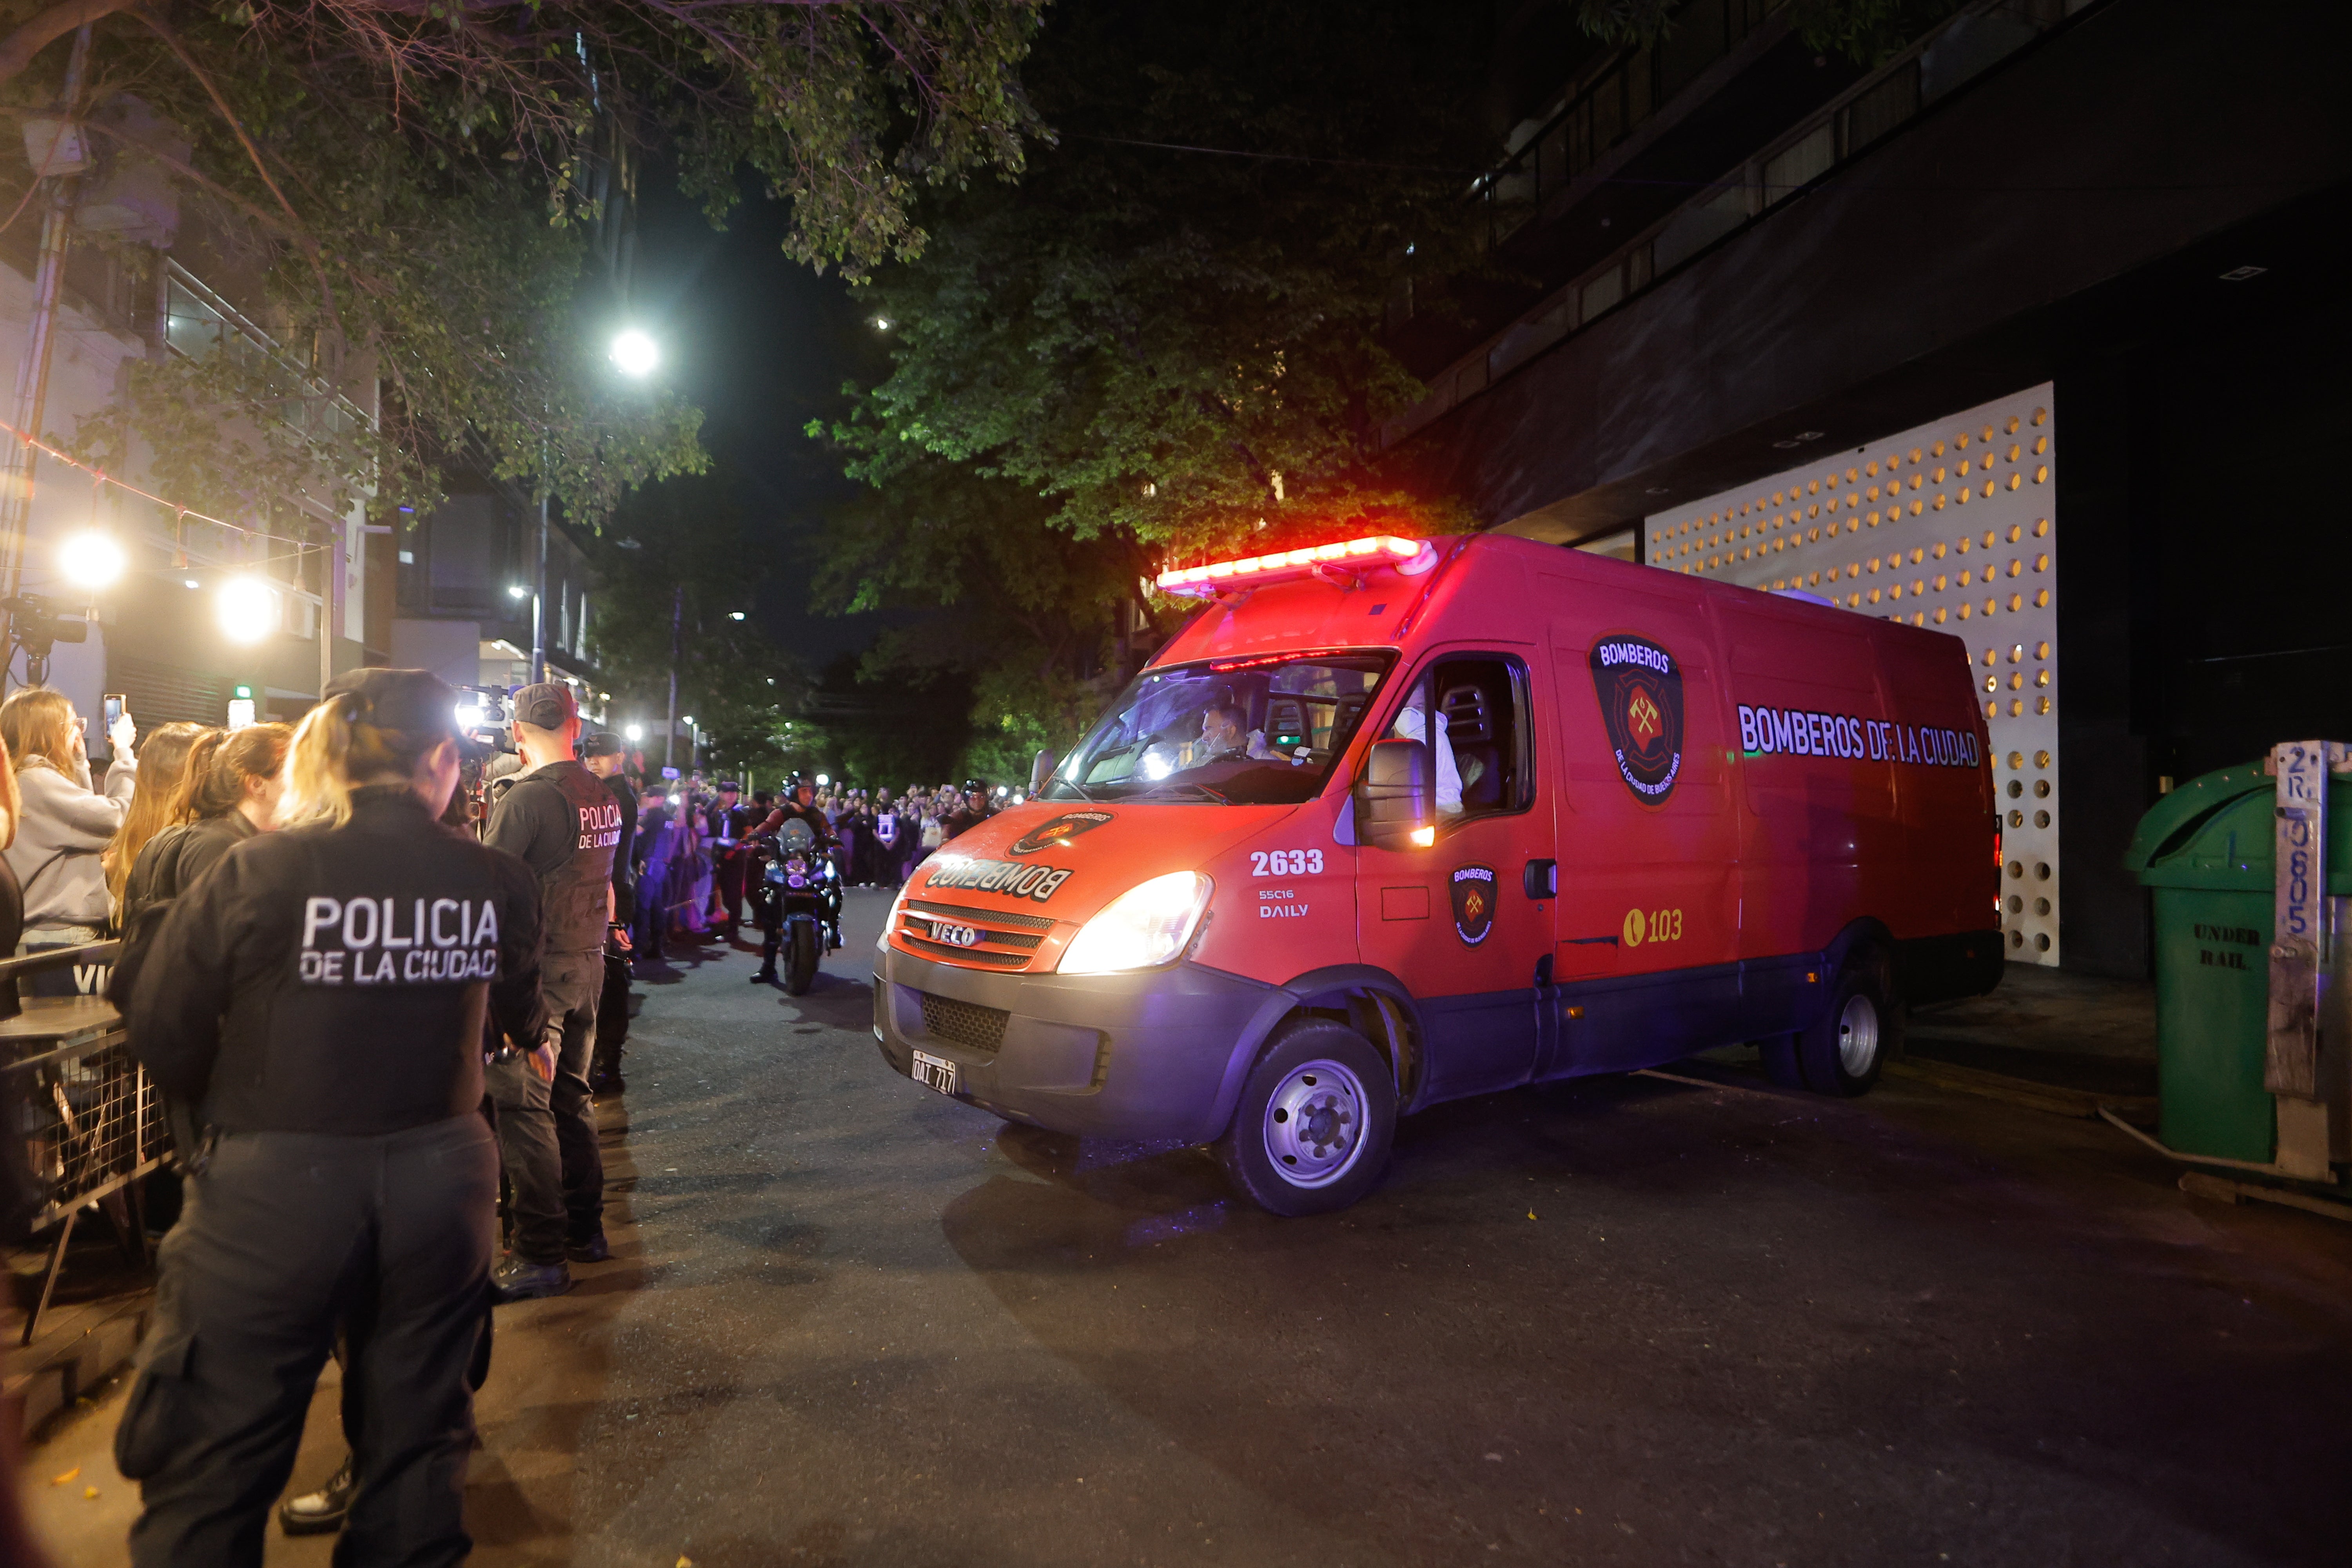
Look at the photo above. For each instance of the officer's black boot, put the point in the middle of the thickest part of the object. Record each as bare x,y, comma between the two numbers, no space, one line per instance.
320,1512
515,1279
768,949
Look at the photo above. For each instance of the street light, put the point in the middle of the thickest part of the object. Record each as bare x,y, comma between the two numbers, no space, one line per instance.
635,732
91,560
516,591
635,353
246,609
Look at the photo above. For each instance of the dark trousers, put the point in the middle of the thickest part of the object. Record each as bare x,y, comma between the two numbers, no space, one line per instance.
284,1237
728,875
612,1015
547,1133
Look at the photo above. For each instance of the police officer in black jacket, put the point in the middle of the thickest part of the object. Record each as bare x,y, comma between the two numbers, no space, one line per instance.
559,819
602,754
321,994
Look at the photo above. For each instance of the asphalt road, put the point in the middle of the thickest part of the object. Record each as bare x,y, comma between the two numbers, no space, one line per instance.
1627,1321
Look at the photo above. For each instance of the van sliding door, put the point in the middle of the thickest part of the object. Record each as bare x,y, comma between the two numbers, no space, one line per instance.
1647,917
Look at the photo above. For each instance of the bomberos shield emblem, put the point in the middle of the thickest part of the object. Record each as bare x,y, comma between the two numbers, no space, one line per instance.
1472,891
1059,830
1639,686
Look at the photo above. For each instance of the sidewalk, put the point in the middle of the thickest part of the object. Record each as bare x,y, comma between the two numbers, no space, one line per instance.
2048,1026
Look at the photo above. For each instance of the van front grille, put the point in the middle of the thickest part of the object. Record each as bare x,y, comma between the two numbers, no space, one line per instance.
965,1024
976,937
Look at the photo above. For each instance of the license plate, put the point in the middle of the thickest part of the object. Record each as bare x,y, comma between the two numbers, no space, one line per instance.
936,1072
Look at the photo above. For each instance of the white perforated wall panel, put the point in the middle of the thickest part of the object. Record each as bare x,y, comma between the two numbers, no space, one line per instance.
1950,525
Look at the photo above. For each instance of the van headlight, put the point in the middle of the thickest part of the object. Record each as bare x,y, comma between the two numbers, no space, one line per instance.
1145,926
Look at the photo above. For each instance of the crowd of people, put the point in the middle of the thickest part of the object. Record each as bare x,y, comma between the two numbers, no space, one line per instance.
377,968
689,859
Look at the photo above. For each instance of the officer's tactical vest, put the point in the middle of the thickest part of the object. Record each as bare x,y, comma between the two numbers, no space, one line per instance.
573,898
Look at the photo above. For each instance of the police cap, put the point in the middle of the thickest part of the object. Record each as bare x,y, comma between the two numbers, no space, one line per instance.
603,743
546,705
413,701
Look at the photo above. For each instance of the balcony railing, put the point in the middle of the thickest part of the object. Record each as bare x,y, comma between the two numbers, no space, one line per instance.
198,324
1609,105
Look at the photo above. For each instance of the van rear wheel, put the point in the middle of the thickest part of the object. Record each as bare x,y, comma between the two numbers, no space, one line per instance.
1314,1123
1842,1054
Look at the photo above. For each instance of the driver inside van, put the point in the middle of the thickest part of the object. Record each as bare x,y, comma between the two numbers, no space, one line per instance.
1412,724
1224,732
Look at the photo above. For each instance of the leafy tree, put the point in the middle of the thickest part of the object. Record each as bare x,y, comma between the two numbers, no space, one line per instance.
1169,344
1166,340
416,188
680,573
1023,612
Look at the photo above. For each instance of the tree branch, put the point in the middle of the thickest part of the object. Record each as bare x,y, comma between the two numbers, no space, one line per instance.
301,231
17,49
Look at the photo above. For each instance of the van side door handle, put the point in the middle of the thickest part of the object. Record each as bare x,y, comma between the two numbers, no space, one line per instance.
1541,878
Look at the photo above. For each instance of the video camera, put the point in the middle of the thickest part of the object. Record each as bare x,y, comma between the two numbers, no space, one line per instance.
37,627
484,720
485,731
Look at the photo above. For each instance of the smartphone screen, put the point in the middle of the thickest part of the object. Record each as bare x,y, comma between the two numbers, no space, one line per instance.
115,702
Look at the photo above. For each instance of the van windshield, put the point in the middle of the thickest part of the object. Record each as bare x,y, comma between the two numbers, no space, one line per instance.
1239,731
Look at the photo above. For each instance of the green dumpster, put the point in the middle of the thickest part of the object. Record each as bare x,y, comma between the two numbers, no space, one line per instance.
2206,850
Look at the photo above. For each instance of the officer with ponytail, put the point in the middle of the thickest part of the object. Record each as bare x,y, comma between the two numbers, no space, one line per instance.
321,994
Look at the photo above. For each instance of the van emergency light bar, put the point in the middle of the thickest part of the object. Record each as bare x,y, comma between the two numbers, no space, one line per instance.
1410,557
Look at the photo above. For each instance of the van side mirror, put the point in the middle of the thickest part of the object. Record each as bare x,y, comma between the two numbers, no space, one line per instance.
1393,796
1040,770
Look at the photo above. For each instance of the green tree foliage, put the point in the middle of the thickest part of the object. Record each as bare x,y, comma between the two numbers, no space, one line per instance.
1166,341
1023,612
679,562
412,192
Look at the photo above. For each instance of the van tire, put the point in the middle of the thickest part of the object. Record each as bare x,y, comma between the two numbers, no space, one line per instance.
1842,1052
1316,1079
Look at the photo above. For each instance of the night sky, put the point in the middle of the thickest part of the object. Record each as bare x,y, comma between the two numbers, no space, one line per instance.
763,343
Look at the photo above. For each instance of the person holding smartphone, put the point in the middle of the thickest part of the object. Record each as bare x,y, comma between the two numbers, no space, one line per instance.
65,827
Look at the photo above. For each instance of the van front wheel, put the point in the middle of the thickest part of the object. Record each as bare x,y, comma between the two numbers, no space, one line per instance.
1863,1026
1316,1120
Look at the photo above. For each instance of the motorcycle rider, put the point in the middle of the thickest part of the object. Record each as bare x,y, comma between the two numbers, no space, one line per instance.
797,802
970,812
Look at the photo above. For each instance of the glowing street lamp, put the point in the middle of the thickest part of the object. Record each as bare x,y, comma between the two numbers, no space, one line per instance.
635,732
91,560
635,353
246,609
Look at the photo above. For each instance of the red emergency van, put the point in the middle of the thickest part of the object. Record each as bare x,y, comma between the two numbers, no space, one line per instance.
1395,821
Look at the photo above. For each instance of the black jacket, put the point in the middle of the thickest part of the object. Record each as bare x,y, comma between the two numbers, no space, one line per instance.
625,851
565,823
334,979
170,863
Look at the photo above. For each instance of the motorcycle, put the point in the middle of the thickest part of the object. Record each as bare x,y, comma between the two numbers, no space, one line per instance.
797,902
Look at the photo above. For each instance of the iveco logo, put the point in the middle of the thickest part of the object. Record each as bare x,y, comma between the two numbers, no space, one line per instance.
954,936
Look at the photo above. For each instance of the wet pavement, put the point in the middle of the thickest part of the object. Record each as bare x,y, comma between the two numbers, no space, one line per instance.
1626,1321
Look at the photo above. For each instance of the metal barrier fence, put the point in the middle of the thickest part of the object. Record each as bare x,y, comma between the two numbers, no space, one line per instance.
91,1123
